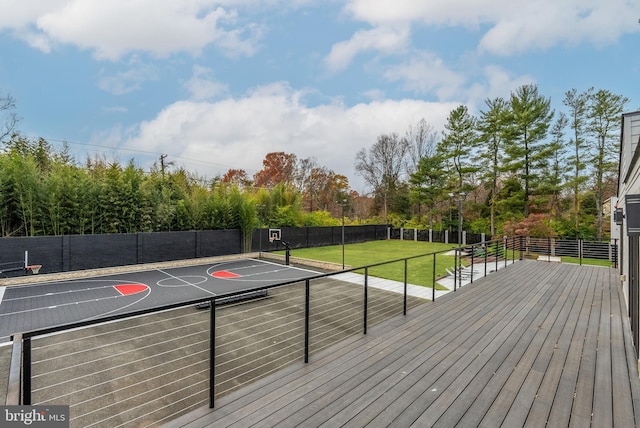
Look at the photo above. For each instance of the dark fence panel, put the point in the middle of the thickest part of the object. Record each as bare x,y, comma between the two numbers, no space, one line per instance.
98,251
166,246
474,238
356,234
394,233
438,236
321,236
212,243
306,237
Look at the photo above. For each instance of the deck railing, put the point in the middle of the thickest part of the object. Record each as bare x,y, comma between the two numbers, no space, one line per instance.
150,366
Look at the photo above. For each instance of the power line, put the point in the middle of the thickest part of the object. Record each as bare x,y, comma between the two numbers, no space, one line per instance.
145,152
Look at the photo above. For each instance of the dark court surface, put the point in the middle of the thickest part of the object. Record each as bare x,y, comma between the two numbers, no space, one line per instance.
40,305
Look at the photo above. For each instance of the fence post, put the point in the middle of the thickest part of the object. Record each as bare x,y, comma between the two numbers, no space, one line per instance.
307,304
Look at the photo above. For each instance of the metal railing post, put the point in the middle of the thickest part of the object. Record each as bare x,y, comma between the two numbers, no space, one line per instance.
307,305
366,292
460,269
404,300
504,251
26,371
473,250
455,269
521,255
497,254
212,352
485,258
433,280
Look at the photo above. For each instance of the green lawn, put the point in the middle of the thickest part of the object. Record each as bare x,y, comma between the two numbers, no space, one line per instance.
419,270
585,261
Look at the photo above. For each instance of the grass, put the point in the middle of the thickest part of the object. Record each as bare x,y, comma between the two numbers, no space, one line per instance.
586,261
419,270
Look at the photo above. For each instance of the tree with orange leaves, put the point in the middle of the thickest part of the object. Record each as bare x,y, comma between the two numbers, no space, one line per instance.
278,167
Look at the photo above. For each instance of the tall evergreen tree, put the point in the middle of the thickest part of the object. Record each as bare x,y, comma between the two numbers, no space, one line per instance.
494,129
428,183
527,150
556,169
577,104
457,144
603,125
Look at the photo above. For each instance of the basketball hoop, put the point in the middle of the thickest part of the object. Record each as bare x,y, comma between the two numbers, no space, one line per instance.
275,235
34,269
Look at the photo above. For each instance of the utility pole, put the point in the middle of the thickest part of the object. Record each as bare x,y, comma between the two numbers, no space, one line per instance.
163,164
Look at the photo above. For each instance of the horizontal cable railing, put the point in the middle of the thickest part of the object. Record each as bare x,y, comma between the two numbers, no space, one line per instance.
151,366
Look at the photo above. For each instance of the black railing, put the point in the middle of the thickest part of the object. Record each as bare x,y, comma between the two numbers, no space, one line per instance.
231,345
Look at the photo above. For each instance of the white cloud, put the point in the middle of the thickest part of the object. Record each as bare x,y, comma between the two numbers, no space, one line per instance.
129,80
114,28
387,40
513,26
203,86
497,82
542,25
238,133
426,73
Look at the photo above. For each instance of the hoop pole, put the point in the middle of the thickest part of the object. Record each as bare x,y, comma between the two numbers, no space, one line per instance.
26,258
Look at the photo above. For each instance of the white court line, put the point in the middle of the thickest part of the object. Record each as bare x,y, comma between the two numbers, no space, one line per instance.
60,305
187,282
2,293
77,290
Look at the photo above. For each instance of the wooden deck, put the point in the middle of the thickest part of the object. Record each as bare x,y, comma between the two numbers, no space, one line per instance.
535,344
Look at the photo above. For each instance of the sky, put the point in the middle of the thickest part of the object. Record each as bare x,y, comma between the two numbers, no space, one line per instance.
217,84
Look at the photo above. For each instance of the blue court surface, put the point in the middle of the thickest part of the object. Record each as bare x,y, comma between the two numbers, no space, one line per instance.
40,305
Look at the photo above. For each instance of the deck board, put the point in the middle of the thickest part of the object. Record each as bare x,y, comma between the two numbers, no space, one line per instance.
533,344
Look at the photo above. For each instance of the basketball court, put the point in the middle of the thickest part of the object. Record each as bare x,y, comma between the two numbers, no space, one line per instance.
41,305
